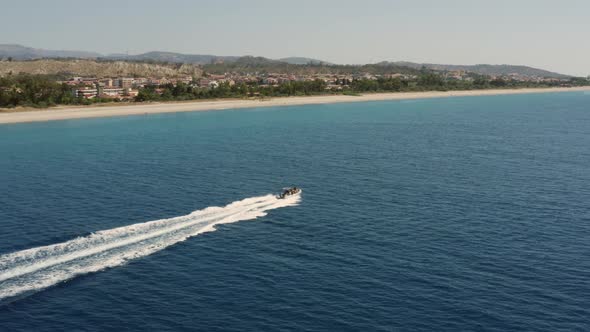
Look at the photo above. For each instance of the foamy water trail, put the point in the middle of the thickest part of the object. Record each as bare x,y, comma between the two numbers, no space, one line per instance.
30,270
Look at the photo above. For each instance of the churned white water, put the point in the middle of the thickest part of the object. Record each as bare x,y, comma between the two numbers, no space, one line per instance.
41,267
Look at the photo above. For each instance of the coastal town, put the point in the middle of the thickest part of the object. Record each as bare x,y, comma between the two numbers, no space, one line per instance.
127,88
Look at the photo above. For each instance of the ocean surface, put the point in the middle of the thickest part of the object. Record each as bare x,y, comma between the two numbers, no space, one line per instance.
454,214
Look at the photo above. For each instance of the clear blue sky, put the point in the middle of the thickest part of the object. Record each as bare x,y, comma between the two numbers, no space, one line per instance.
554,35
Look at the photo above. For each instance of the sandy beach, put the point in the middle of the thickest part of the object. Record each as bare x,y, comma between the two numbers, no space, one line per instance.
108,110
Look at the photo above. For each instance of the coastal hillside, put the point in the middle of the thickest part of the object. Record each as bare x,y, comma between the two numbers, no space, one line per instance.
484,69
293,65
172,57
204,59
296,60
261,65
99,69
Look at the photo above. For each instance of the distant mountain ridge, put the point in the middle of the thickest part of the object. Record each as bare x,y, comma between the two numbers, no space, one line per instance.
485,69
19,52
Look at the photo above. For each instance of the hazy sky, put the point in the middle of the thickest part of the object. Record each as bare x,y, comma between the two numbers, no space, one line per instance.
554,35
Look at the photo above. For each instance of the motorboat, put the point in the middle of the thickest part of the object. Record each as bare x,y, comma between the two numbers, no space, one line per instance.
289,192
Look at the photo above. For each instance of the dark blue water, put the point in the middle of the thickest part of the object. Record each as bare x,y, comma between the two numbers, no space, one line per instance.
431,215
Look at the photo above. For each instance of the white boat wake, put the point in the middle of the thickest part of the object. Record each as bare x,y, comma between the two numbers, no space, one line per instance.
31,270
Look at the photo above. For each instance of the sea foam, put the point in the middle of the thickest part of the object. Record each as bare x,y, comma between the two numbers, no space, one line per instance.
34,269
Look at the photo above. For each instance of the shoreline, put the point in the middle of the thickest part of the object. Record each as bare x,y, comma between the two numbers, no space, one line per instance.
108,110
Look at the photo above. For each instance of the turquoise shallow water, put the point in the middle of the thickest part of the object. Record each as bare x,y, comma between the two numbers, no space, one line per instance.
444,214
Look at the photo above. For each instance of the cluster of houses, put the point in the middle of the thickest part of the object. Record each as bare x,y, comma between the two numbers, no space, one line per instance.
124,88
532,79
333,81
121,88
463,75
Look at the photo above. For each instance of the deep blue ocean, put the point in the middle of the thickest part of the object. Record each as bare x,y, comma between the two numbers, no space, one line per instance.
456,214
